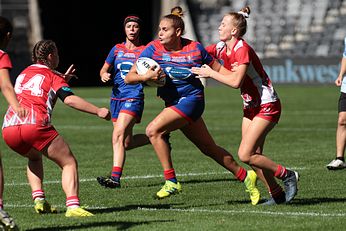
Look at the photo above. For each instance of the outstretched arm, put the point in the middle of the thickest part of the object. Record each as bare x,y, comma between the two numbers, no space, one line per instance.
232,78
82,105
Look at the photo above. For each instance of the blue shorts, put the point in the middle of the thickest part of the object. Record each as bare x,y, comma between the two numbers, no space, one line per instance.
189,107
132,107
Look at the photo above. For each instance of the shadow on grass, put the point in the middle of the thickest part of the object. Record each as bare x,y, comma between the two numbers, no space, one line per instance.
195,181
121,225
297,201
316,200
131,207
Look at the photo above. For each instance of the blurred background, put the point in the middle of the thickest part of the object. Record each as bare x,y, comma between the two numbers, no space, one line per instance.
299,41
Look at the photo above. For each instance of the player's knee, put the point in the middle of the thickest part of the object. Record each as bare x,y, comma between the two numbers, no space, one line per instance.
151,132
244,156
118,136
342,121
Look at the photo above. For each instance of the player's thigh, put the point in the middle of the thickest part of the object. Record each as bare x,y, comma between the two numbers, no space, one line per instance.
168,120
59,152
254,135
198,134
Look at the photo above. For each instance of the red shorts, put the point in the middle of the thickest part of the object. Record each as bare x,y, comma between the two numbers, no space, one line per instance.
269,111
22,138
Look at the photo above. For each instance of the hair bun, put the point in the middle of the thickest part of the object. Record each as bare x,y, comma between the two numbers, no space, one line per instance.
178,11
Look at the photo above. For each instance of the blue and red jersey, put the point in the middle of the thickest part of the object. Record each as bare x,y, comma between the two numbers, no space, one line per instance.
180,81
122,60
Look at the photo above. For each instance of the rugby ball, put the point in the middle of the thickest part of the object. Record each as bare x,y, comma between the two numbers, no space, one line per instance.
143,64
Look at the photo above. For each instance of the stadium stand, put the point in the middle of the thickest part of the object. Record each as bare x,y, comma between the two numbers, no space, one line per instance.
292,28
17,11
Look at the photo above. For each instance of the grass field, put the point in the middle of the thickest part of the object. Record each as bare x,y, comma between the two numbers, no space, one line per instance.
212,199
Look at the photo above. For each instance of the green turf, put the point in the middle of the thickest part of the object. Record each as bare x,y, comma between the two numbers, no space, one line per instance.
212,199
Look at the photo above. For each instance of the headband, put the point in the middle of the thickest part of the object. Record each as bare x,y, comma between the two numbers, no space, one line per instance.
245,15
132,18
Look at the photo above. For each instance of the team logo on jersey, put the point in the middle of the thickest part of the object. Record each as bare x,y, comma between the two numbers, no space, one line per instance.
120,54
176,73
66,89
124,68
166,57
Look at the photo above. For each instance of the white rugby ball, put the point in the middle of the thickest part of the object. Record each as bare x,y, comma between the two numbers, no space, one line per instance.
143,64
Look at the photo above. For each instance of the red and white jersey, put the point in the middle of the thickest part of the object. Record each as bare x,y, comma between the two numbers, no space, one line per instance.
36,89
5,62
256,88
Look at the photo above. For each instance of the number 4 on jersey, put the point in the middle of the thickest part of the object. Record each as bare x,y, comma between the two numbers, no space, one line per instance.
33,85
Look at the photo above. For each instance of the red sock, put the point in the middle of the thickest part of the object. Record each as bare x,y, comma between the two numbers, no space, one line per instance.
170,175
281,172
38,194
72,201
116,172
241,174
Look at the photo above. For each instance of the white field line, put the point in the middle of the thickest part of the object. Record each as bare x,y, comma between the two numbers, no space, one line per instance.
218,211
270,213
285,129
140,177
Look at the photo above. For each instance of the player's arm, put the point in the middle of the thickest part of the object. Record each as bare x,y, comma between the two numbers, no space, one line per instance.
342,72
133,77
76,102
232,78
104,72
9,93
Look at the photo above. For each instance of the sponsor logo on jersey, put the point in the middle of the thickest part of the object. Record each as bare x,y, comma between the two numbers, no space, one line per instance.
178,73
166,57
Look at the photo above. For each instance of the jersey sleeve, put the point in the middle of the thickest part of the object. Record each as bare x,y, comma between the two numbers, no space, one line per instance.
5,62
206,57
58,82
111,56
211,49
148,50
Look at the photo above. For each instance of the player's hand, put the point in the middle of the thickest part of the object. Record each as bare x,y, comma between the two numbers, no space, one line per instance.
20,111
104,113
234,66
105,77
153,73
202,72
338,81
70,73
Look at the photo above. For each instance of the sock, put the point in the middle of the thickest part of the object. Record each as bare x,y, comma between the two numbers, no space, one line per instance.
241,174
72,202
277,194
276,191
38,194
170,175
341,158
116,172
281,172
